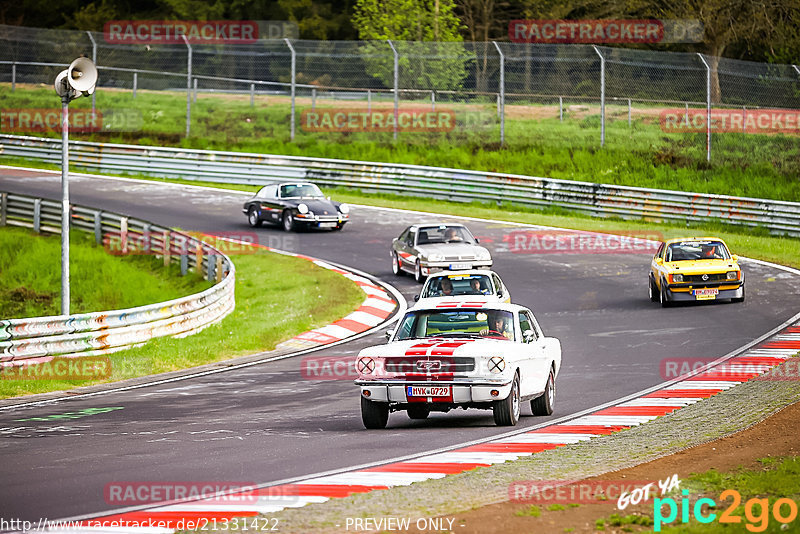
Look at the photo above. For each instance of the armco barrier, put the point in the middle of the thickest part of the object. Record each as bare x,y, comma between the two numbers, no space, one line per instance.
40,338
452,184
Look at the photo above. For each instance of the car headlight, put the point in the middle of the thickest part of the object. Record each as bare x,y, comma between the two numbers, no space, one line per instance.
435,257
732,275
677,278
344,208
497,364
302,208
483,255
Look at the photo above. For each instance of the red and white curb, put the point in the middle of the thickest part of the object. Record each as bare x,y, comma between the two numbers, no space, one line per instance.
661,400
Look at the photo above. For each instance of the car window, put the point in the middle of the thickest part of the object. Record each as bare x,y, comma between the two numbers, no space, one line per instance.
410,240
457,284
300,191
268,191
660,251
524,323
463,323
444,233
403,236
527,322
498,286
696,250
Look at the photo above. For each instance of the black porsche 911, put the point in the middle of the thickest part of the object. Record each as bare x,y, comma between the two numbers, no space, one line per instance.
295,205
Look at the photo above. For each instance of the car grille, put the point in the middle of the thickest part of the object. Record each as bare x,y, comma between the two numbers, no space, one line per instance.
460,258
446,365
698,278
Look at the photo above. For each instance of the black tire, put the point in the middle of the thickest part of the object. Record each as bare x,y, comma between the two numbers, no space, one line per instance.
506,411
739,299
288,221
418,412
374,415
418,273
662,296
653,289
396,270
252,218
543,404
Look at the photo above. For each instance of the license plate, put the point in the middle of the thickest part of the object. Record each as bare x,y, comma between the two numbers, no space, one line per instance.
327,224
460,266
428,391
706,294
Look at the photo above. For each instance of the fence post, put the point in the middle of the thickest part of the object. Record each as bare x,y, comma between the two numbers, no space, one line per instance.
146,238
194,90
433,100
167,247
98,227
94,60
13,76
3,208
561,108
37,215
602,96
744,119
502,95
629,113
396,86
252,95
135,83
184,264
188,85
708,106
313,99
369,102
294,80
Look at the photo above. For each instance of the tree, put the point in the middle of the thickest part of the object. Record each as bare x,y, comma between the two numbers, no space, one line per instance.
423,64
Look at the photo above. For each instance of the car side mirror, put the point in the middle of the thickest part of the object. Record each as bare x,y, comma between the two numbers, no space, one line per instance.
477,240
659,261
735,257
528,336
388,335
416,298
500,293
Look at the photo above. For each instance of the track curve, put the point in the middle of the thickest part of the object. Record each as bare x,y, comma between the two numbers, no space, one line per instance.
266,423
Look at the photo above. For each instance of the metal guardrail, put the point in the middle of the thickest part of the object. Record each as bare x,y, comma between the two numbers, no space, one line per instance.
452,184
90,334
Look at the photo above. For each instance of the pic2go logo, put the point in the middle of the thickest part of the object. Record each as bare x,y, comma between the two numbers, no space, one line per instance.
756,511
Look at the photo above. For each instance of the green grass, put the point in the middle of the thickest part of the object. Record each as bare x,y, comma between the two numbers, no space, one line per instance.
761,166
531,511
30,276
265,282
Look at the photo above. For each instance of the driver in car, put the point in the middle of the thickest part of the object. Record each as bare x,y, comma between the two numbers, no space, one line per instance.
475,285
451,234
447,287
497,326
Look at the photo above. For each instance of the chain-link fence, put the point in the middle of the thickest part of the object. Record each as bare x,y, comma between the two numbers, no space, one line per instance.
487,94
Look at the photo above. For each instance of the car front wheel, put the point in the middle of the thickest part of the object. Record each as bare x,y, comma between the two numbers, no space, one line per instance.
418,273
374,415
662,296
653,290
396,264
288,221
506,411
543,405
252,218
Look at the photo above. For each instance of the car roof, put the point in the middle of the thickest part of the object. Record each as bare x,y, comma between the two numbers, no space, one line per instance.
465,272
694,238
466,302
436,223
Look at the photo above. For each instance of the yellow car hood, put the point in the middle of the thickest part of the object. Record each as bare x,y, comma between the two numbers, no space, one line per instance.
702,266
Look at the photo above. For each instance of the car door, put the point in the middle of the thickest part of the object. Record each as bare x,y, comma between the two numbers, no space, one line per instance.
270,207
536,364
408,252
656,267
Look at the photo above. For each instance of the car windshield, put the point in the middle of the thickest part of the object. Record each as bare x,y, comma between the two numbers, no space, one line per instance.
468,323
300,191
696,250
458,284
444,234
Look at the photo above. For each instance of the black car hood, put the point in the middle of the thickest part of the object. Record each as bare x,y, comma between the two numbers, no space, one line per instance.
318,205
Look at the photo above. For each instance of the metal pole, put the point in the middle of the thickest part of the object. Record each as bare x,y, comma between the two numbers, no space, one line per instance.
396,87
708,107
194,90
94,60
188,86
313,99
561,108
602,97
687,114
252,95
502,95
629,113
744,119
294,80
65,205
433,100
796,69
369,102
135,83
13,76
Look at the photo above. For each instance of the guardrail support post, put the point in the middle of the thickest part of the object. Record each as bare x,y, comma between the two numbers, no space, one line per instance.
501,97
37,215
123,235
184,264
294,83
3,208
146,238
218,270
708,106
211,268
167,247
188,85
135,83
602,96
98,227
396,87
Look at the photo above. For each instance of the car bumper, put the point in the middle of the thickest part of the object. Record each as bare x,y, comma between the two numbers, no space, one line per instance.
687,295
321,222
463,393
430,268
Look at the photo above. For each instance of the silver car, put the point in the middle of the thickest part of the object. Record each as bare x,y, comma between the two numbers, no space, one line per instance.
423,249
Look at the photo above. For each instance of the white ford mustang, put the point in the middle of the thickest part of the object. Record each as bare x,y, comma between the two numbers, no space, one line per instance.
445,355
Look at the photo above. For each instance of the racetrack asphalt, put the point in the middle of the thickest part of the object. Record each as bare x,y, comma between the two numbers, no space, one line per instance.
268,423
